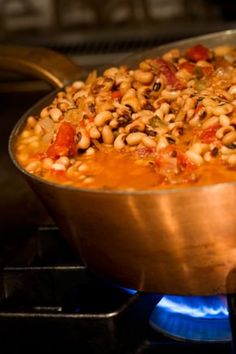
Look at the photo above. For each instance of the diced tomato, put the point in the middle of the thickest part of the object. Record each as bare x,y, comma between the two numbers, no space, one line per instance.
168,70
64,144
59,175
184,161
208,135
189,67
198,52
145,151
207,70
39,156
116,95
196,70
171,152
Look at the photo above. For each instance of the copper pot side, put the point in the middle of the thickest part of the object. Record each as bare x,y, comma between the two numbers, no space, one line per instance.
180,241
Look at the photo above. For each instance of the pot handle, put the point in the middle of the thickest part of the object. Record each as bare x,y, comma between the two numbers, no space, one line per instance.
42,63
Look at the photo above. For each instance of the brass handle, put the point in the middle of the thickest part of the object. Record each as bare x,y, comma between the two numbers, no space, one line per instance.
42,63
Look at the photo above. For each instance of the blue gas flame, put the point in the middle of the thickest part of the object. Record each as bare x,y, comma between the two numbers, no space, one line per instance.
194,318
196,306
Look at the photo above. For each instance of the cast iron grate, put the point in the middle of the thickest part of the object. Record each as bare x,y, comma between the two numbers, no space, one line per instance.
49,301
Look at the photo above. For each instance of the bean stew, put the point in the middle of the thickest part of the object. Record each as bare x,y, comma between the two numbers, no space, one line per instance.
170,122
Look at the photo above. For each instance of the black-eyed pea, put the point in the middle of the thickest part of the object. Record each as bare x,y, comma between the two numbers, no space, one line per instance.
58,167
45,112
169,118
47,163
145,66
130,99
23,157
162,143
119,142
132,102
30,139
224,120
165,107
33,166
137,125
55,114
232,159
26,134
64,160
125,86
20,147
210,122
207,156
170,95
189,104
225,151
121,130
90,151
149,142
229,138
222,50
114,123
180,116
173,53
221,132
159,113
31,121
223,109
102,118
171,126
233,121
111,72
104,106
209,102
199,148
224,94
79,94
38,129
78,84
81,177
88,180
190,114
145,77
83,167
64,106
34,145
130,93
94,133
194,121
135,138
84,140
232,90
194,157
107,135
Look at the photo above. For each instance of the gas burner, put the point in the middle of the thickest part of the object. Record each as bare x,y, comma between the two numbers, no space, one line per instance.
202,319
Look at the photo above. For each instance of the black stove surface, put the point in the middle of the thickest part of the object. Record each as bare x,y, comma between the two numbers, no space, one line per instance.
50,301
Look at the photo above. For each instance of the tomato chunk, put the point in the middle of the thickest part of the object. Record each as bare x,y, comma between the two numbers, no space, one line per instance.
198,52
189,67
171,157
208,135
168,70
116,95
64,144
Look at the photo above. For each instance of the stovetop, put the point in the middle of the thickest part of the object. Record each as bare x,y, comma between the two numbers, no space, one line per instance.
50,301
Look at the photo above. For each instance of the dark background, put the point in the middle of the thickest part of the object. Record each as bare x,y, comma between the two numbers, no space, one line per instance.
91,33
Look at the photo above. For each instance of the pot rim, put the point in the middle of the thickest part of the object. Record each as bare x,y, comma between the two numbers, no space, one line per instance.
127,192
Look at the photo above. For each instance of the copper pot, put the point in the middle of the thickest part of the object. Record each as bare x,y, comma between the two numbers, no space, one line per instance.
180,241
